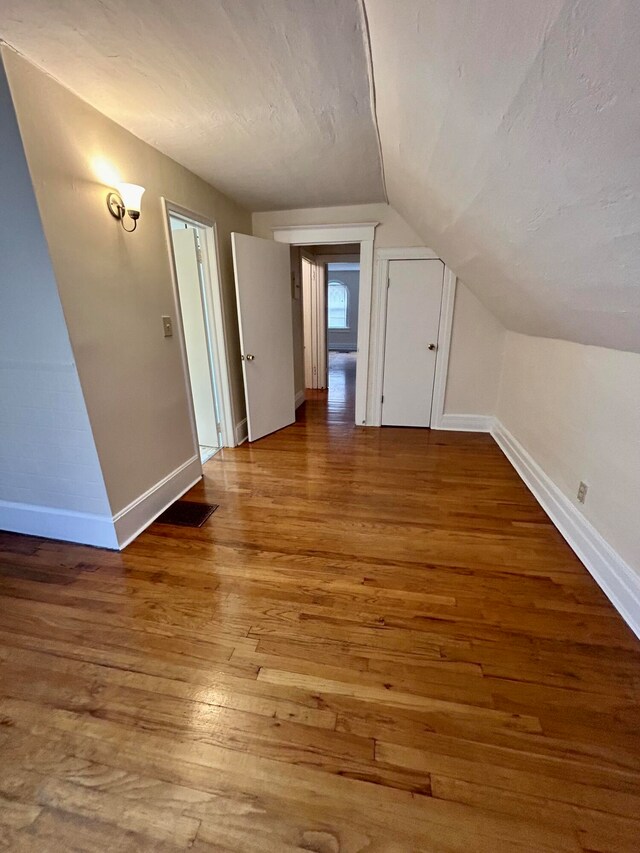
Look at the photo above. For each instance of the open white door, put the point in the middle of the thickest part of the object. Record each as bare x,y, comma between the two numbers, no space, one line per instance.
263,292
314,312
194,326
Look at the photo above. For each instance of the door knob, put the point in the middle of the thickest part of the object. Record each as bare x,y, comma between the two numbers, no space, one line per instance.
432,346
250,357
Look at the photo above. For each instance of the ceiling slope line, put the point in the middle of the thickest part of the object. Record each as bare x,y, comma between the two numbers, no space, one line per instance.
366,38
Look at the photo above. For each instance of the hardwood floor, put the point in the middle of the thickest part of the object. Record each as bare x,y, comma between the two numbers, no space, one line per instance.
377,643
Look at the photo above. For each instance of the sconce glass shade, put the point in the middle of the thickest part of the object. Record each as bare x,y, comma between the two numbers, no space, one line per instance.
131,195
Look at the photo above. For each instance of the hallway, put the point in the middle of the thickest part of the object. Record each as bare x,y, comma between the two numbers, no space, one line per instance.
342,383
378,642
336,404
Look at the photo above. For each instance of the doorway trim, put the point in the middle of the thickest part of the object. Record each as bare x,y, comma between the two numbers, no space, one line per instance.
215,310
379,323
357,232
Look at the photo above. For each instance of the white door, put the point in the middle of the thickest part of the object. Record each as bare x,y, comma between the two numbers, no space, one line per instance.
314,311
413,316
195,335
263,293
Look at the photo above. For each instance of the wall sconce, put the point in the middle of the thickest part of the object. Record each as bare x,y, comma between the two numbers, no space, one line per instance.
126,202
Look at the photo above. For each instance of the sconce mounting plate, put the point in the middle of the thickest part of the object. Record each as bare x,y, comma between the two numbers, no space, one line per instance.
115,205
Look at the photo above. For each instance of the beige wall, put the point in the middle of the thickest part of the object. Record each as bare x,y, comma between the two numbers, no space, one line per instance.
115,287
576,410
50,478
475,359
392,232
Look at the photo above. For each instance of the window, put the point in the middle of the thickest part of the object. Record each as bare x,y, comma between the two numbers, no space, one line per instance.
338,305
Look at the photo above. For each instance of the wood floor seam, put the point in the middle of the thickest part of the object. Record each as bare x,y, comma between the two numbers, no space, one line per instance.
378,643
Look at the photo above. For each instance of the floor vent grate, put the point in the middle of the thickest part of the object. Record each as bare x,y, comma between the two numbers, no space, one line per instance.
187,514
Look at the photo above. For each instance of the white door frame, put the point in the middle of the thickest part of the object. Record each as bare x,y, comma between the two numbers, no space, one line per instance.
305,294
379,324
358,232
215,315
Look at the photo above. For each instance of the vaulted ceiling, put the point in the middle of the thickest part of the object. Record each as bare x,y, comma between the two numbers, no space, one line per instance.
510,134
509,129
268,100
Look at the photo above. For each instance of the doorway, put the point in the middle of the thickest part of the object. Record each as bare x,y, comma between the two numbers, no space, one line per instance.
361,236
330,307
195,266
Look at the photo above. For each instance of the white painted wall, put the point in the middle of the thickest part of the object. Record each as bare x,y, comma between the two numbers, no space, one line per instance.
346,340
392,232
576,410
50,478
475,358
114,287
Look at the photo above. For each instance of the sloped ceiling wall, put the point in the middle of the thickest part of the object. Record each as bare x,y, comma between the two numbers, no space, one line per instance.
509,128
268,100
510,135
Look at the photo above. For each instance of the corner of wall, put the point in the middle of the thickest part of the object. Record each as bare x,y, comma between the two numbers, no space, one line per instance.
619,582
503,355
51,479
142,511
111,325
475,364
563,416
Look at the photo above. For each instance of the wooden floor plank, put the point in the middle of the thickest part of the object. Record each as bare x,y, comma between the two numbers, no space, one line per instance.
379,642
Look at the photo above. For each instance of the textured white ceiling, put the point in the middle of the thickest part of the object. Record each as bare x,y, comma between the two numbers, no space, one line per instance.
510,135
510,129
266,99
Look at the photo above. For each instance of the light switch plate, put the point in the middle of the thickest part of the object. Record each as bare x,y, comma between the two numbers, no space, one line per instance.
167,325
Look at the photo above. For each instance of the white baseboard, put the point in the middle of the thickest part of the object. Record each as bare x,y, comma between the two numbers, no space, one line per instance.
102,531
617,580
300,398
241,431
67,525
139,514
465,423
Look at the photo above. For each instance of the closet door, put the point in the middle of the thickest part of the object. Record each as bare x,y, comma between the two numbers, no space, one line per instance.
413,315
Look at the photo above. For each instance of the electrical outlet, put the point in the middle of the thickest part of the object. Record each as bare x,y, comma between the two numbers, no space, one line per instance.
582,492
167,325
